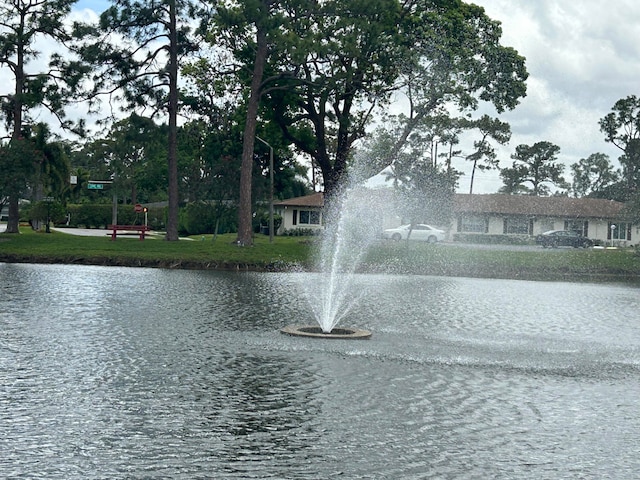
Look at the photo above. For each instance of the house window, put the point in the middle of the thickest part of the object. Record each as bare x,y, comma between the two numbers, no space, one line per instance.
546,225
518,226
578,226
473,224
621,232
309,217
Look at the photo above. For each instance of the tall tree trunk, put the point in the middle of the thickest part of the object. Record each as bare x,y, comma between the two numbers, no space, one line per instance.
172,156
245,236
473,174
13,222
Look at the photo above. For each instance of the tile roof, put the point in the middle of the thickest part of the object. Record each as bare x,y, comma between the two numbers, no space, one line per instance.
541,206
498,204
313,200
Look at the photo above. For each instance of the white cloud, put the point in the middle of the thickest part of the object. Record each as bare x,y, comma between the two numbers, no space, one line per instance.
582,57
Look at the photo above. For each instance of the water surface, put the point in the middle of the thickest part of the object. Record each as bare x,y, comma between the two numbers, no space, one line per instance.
145,373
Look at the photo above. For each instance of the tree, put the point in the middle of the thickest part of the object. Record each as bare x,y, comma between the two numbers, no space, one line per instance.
425,191
250,30
245,232
593,176
536,165
142,72
456,63
484,157
22,23
622,128
52,168
329,85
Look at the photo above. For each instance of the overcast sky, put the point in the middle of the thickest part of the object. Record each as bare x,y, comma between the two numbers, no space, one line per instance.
581,57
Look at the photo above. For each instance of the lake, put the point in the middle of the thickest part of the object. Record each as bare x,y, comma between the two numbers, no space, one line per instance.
110,372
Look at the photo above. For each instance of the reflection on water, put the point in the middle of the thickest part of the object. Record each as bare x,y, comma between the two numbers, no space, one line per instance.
144,373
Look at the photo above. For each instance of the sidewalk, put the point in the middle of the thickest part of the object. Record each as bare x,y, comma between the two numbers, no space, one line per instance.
83,232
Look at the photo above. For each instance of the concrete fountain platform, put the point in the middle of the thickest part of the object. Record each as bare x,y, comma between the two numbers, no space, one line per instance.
314,331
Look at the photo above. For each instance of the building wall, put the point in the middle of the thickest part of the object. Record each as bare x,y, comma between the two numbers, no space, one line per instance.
292,217
597,229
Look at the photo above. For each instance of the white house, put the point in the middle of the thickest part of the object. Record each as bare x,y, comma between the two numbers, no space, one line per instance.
301,212
598,219
496,214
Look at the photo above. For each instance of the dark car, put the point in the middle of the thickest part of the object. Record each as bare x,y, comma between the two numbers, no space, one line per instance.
563,238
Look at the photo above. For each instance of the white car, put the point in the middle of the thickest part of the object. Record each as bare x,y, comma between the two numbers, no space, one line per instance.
420,232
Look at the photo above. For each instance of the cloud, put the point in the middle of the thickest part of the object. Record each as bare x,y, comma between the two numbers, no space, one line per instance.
582,57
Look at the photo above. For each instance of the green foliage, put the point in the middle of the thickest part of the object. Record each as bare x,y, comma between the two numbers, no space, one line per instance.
90,216
16,165
622,128
594,176
24,24
495,239
535,165
40,210
100,215
302,232
484,157
204,217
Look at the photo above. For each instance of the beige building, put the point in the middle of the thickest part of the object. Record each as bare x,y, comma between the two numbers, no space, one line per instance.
595,218
496,214
301,213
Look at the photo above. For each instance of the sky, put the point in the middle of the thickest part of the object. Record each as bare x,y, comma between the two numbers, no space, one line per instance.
581,57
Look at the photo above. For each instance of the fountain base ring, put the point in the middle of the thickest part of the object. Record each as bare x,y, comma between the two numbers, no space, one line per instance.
339,333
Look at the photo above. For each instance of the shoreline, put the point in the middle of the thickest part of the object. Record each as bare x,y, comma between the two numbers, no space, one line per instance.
279,267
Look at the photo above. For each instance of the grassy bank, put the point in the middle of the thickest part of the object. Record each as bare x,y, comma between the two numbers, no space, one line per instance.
531,263
388,257
200,252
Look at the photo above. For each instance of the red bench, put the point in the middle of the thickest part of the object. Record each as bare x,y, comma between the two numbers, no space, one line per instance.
128,228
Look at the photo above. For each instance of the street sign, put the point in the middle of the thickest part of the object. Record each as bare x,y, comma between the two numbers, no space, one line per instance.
137,208
95,186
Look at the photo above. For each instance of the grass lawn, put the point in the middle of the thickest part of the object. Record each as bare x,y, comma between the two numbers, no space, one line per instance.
389,257
198,252
533,263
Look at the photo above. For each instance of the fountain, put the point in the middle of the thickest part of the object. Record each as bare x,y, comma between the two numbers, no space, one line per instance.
352,224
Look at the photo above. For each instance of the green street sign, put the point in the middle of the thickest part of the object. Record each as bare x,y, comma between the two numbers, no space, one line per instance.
95,186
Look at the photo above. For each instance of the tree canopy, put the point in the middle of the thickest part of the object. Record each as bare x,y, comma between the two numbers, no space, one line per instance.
534,167
309,76
48,87
621,127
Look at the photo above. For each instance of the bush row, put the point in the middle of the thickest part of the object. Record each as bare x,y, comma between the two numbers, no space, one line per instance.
493,239
93,215
194,218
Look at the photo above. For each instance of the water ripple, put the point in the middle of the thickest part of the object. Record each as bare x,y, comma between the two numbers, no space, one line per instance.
118,373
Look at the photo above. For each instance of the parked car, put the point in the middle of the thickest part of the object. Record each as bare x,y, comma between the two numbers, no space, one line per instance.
420,232
563,238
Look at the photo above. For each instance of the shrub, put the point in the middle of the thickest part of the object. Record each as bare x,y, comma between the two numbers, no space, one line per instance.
302,232
493,239
100,215
40,210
